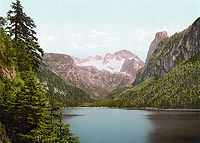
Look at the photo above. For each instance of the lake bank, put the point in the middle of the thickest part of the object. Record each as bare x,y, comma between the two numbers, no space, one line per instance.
145,108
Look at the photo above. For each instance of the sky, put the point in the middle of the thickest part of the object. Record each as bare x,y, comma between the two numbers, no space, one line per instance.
85,28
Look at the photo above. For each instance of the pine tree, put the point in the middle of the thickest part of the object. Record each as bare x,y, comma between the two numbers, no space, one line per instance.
29,117
21,30
2,22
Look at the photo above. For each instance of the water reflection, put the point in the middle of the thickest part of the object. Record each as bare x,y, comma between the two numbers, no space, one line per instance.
174,127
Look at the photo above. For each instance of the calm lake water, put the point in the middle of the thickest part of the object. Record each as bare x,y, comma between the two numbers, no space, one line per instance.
105,125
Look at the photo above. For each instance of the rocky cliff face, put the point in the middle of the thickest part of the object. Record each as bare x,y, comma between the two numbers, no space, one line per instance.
92,80
131,66
159,37
171,51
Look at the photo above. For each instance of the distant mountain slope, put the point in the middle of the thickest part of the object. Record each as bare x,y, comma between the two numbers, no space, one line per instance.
170,52
180,88
62,90
95,82
171,78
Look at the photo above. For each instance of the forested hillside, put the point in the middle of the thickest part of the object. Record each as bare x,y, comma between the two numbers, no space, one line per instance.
170,52
177,88
26,115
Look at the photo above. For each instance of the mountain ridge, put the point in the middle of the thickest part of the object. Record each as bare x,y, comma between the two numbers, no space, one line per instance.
171,78
180,46
97,83
112,62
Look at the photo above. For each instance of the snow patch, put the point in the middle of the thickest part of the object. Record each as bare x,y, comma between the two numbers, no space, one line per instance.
112,66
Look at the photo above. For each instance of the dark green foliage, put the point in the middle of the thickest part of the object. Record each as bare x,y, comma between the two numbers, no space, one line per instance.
116,92
6,50
26,115
62,90
3,136
21,30
179,88
2,22
63,131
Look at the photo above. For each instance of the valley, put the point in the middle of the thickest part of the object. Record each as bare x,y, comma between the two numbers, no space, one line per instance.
169,78
97,76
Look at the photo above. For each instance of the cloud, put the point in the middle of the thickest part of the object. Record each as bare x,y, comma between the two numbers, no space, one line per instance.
95,34
142,34
85,46
48,39
88,46
76,35
110,39
145,34
77,46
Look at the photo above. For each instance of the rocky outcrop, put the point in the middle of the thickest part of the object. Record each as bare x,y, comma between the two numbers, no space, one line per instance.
9,73
171,51
159,37
131,66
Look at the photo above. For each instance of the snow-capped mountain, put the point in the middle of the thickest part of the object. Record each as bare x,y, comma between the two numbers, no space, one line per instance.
97,76
95,82
122,62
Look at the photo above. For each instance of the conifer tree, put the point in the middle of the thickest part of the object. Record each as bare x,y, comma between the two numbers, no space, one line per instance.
2,22
21,30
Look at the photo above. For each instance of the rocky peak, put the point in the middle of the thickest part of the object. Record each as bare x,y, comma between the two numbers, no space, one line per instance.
97,57
171,51
124,54
158,37
113,63
120,55
108,57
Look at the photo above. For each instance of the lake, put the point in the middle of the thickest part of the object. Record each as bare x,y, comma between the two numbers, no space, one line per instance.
106,125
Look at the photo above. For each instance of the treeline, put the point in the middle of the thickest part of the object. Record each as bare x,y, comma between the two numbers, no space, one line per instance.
180,88
26,114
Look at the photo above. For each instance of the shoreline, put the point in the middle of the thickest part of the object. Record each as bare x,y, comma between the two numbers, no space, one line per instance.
145,108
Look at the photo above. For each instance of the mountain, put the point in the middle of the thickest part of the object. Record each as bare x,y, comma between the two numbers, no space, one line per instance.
170,52
158,37
62,90
95,75
123,62
171,77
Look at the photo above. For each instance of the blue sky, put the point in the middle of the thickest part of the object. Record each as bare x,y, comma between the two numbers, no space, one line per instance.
84,28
